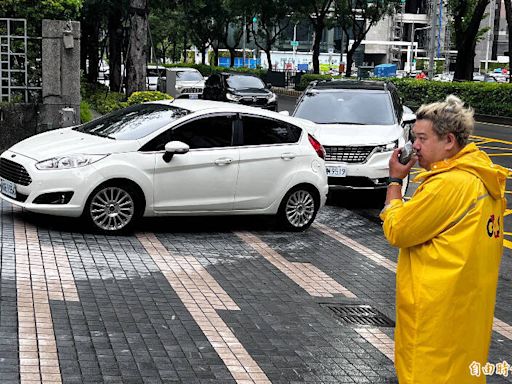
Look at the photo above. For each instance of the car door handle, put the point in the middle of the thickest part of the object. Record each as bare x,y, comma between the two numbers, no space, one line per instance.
223,161
287,156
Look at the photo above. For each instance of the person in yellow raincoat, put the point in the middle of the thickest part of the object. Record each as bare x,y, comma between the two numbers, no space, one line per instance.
450,236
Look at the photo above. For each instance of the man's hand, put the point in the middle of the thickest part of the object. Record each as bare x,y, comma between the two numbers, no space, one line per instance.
398,170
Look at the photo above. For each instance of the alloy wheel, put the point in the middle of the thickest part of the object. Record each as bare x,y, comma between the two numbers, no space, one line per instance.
300,208
112,208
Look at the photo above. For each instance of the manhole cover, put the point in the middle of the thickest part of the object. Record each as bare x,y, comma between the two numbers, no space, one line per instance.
359,314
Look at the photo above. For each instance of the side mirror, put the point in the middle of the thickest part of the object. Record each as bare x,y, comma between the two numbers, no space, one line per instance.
409,118
174,148
269,85
286,113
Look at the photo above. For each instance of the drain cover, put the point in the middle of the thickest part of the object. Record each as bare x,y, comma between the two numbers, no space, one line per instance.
359,314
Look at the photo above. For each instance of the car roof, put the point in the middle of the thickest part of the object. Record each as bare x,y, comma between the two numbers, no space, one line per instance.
238,74
349,84
209,106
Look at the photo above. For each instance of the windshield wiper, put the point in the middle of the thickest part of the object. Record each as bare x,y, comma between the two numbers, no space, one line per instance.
100,135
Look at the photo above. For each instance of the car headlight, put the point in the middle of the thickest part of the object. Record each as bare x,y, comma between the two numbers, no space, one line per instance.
70,161
232,97
272,98
387,147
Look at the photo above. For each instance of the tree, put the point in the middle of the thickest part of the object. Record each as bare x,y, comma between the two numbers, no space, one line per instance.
467,15
272,19
137,47
317,11
356,17
508,14
165,27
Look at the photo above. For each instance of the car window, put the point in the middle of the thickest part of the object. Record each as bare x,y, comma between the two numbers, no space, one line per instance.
210,132
258,131
155,72
241,82
134,122
189,76
213,81
352,106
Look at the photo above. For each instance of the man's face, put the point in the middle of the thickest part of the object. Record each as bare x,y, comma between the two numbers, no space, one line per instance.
429,147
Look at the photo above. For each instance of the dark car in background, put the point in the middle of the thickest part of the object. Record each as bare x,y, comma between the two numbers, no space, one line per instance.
241,89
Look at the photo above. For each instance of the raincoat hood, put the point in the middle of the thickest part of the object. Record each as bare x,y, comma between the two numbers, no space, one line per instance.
476,162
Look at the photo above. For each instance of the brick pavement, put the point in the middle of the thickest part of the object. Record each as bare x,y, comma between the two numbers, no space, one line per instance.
187,300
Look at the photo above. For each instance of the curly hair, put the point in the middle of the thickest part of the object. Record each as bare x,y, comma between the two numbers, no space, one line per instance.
449,116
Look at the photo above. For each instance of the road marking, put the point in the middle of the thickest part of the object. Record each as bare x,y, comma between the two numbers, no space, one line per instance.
499,326
43,273
307,276
489,140
379,340
496,125
202,296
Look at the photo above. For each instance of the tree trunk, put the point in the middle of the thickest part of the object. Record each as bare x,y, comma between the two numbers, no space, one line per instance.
465,41
269,60
203,55
115,41
216,55
319,28
136,63
508,14
231,57
464,65
91,30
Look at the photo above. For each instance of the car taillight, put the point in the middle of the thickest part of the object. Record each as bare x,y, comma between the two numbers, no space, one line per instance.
319,149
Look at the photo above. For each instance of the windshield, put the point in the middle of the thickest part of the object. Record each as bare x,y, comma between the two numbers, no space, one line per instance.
362,107
189,76
241,82
134,122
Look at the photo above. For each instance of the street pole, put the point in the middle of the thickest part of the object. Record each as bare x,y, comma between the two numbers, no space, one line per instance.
294,47
411,57
490,33
243,45
432,42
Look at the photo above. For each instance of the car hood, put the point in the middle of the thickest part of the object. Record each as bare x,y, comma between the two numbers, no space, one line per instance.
252,92
65,141
348,134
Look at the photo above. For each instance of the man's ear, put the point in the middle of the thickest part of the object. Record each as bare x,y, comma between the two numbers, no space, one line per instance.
451,141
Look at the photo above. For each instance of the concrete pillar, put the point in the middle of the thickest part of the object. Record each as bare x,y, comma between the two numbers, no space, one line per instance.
61,74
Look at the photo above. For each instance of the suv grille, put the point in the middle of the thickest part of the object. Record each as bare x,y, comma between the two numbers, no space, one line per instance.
14,172
348,154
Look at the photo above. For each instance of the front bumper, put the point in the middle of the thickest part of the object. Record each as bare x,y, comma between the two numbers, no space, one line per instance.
372,174
79,181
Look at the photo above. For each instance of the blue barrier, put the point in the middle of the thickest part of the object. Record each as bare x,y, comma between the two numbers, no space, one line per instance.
249,63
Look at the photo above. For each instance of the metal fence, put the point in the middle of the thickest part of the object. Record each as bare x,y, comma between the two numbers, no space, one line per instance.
20,63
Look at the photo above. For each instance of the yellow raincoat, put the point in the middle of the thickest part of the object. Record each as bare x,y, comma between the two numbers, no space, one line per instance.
450,236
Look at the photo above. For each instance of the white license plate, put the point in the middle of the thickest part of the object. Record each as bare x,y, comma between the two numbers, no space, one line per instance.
8,188
193,96
336,171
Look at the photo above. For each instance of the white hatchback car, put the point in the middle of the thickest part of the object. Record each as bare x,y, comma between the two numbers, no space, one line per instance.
359,123
179,157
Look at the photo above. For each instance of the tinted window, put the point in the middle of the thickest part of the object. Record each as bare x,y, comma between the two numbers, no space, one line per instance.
259,131
213,81
347,106
241,82
155,72
189,76
205,133
133,122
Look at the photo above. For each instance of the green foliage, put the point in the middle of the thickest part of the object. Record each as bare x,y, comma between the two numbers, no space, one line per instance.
485,98
85,112
145,96
422,64
492,66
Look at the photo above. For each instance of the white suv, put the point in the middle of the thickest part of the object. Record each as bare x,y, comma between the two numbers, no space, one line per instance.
359,123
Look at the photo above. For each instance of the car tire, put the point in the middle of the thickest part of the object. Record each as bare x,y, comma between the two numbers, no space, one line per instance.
113,208
298,208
